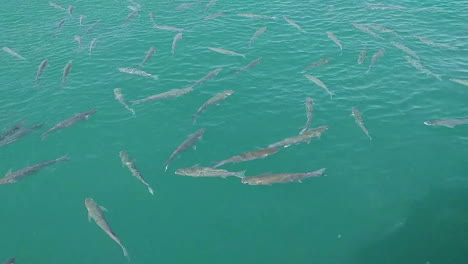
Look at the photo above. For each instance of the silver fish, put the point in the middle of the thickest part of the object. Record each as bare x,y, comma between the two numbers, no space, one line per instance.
60,24
187,5
215,15
169,94
451,123
317,63
365,29
78,39
95,212
57,6
464,82
119,97
208,172
210,4
176,39
90,28
319,83
12,177
250,65
70,10
40,70
149,53
82,17
256,16
435,44
293,23
66,71
309,103
207,77
10,261
131,15
168,28
269,179
226,52
69,122
127,161
18,134
335,39
405,49
214,100
358,118
257,34
417,64
151,16
375,58
384,29
188,143
247,156
306,136
92,45
137,72
13,53
362,55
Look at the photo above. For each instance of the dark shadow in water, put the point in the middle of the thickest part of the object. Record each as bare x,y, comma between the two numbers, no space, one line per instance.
435,231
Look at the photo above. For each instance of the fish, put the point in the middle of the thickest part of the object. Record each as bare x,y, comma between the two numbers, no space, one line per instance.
12,177
169,94
215,15
40,70
210,4
79,40
269,179
92,45
335,39
405,49
131,15
309,103
176,39
168,28
375,58
127,161
69,122
187,5
137,72
358,118
207,77
256,16
66,71
13,130
60,24
188,143
151,16
464,82
306,136
90,28
257,34
218,98
119,97
149,54
417,64
362,55
319,83
317,63
208,172
365,29
10,261
13,53
435,44
226,52
70,10
250,65
18,134
293,23
82,17
57,6
248,156
95,212
384,29
451,123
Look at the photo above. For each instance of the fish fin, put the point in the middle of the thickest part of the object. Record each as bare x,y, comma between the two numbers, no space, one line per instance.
103,208
286,146
89,218
241,174
150,190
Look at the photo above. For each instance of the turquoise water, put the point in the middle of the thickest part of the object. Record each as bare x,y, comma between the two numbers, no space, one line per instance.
400,198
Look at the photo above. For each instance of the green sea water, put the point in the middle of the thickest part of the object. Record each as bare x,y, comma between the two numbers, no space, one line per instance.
401,197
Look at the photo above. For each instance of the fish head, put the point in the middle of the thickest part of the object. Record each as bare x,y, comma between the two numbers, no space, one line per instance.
89,202
430,123
252,181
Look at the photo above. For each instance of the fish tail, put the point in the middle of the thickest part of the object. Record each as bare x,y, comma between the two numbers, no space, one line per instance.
240,174
167,166
150,190
125,252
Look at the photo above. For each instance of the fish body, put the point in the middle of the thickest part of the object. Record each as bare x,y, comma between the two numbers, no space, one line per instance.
214,100
137,72
335,39
131,15
92,45
90,28
293,23
317,63
66,71
169,94
57,6
13,53
69,122
365,29
10,261
309,103
70,10
405,49
188,143
40,70
256,16
79,40
319,83
127,161
358,118
12,177
207,77
375,58
215,15
451,123
269,179
187,5
60,24
11,131
176,39
82,17
435,44
168,28
208,172
306,136
18,134
257,33
247,156
149,54
464,82
384,29
362,55
210,4
226,52
119,97
95,212
250,65
417,64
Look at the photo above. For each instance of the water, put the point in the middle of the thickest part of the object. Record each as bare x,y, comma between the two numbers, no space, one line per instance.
400,198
